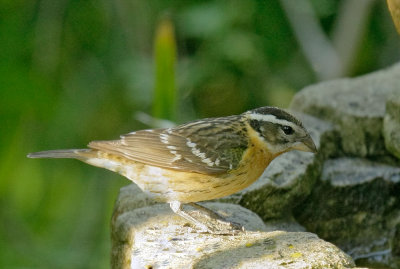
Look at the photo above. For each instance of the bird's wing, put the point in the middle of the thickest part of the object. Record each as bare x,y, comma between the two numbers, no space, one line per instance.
196,146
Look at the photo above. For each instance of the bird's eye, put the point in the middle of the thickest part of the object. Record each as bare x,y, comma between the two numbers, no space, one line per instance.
287,130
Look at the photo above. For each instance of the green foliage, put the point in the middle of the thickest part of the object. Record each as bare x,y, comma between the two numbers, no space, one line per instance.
164,102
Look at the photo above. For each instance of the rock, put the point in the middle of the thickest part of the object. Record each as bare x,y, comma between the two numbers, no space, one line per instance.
290,177
391,125
131,197
155,237
356,105
356,205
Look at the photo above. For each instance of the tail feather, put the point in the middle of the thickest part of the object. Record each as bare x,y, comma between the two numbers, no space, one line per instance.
60,153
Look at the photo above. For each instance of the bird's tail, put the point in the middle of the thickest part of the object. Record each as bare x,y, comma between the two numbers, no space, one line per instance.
90,156
61,153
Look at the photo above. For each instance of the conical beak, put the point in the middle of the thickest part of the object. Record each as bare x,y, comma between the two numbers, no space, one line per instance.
306,144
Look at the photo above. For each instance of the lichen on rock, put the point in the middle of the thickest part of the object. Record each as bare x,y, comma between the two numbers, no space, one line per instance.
154,237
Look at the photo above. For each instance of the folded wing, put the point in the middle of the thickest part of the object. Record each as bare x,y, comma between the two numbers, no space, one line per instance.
195,146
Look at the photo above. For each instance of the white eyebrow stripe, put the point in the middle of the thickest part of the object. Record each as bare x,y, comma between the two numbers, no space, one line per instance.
273,119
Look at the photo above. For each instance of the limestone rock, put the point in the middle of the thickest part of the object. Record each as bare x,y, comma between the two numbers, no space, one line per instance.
356,105
356,205
131,197
154,237
391,125
290,177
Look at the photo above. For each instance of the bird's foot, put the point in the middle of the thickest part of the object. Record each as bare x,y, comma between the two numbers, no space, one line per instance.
207,220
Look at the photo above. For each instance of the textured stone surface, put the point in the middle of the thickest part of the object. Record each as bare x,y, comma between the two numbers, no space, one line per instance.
356,205
154,237
131,197
356,105
290,177
391,125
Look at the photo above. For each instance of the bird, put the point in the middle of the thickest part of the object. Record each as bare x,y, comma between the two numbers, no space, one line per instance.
198,161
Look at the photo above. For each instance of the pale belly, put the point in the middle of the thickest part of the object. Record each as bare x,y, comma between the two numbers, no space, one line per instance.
167,185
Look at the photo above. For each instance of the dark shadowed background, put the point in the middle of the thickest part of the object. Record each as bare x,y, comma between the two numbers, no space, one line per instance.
73,71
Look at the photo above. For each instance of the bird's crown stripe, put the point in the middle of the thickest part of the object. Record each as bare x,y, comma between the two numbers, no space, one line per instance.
271,118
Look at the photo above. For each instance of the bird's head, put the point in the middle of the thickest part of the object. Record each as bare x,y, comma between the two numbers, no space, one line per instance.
279,131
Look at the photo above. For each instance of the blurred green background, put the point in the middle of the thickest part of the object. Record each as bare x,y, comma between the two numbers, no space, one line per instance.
73,71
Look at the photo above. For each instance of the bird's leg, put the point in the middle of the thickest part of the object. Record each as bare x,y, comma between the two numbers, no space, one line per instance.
178,209
206,219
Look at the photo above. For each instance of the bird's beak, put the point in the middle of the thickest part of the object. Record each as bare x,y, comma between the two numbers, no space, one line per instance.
306,144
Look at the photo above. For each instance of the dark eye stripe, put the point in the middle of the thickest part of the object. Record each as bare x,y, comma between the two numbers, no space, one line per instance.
255,124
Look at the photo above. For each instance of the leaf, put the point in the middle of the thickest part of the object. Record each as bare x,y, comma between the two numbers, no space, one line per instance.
164,102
